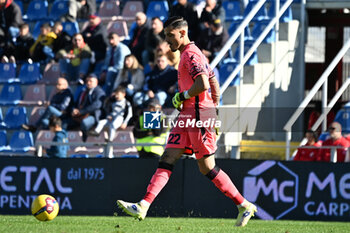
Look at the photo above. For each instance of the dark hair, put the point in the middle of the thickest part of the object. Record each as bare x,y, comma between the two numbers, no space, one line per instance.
24,25
57,23
314,133
55,121
176,22
92,75
45,25
121,89
111,34
156,17
154,102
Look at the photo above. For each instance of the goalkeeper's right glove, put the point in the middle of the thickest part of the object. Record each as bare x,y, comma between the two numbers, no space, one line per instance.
178,99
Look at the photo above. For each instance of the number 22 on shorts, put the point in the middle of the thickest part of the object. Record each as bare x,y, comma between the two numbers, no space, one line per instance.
174,139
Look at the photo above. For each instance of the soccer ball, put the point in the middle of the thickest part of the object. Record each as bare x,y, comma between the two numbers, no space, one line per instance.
45,207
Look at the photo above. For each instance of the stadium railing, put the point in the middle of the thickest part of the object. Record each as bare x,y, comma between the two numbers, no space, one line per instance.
243,58
108,153
240,33
322,81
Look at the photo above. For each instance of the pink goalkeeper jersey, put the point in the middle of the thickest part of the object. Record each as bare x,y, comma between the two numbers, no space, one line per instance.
194,63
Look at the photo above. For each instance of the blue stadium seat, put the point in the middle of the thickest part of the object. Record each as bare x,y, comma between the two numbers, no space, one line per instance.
158,9
51,74
3,140
131,8
287,15
15,117
36,29
98,67
259,27
196,2
21,141
109,9
36,10
34,95
343,117
323,137
131,31
74,156
10,94
70,27
131,156
29,73
78,91
253,58
232,10
58,9
233,27
8,72
1,117
122,138
225,71
119,27
261,14
146,69
35,114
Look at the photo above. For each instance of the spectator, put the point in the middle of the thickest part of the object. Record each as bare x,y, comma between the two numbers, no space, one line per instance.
212,10
188,11
131,76
154,136
20,49
63,38
153,38
114,61
335,139
81,9
23,43
118,112
173,57
212,39
10,20
308,154
137,43
74,60
58,151
95,35
159,83
42,47
88,109
60,105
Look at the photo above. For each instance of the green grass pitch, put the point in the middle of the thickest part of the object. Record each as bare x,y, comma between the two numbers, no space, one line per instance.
84,224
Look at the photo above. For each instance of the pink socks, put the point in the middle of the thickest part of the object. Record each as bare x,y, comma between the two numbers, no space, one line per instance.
223,182
158,181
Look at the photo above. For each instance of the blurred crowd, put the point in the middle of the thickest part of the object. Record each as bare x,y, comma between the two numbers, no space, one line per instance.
143,63
116,76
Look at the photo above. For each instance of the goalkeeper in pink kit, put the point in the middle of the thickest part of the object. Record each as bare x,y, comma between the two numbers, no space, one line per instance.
195,103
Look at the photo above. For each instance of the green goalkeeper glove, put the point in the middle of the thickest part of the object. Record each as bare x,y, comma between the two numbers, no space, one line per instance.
178,99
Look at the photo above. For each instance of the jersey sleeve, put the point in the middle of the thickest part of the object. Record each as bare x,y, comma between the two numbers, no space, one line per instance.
195,65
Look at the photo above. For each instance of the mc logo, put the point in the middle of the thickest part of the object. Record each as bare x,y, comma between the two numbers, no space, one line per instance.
273,187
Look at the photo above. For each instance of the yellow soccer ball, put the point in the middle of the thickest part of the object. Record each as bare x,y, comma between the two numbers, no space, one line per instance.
45,207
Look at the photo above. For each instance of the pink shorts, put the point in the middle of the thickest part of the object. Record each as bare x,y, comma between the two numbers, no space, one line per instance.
201,141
